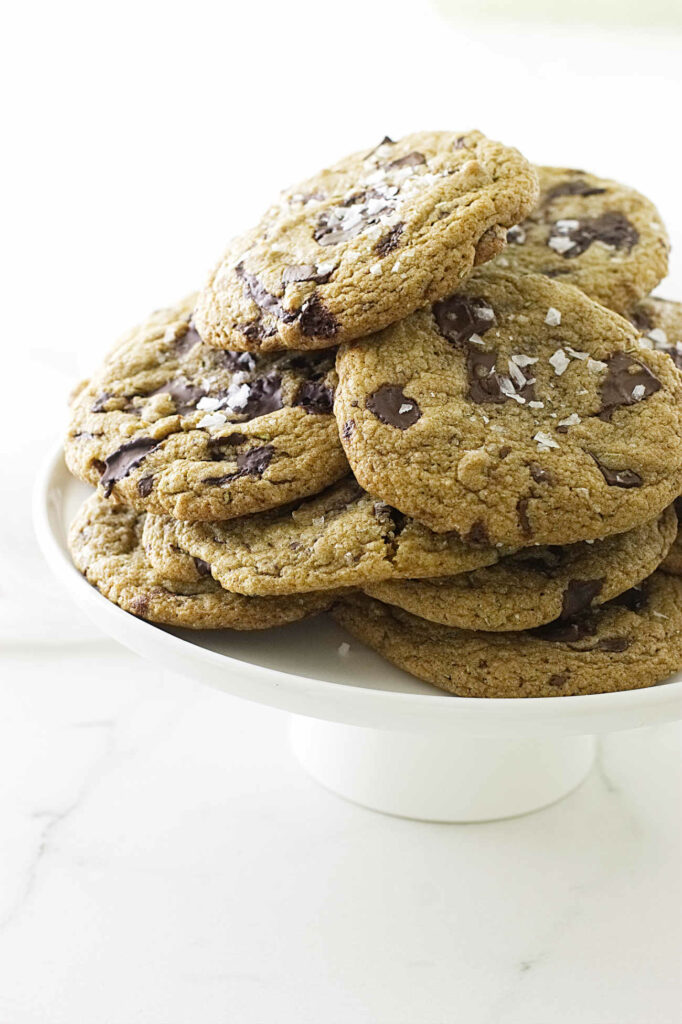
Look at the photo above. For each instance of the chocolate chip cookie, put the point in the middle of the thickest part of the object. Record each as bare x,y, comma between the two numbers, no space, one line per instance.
537,584
366,242
105,540
597,234
341,538
516,411
174,426
634,640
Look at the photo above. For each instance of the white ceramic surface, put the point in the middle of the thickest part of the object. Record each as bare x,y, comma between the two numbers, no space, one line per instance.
538,744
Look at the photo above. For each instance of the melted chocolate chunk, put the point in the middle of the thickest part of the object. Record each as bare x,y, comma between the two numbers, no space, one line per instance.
334,227
504,451
641,320
560,679
613,644
304,272
187,341
98,465
347,429
579,595
459,317
316,320
255,330
540,475
254,462
628,382
140,605
554,272
486,385
100,402
202,567
261,296
144,486
559,632
236,361
478,534
389,241
522,513
265,395
390,404
611,228
460,143
573,188
125,459
635,599
674,352
413,159
184,395
619,477
315,397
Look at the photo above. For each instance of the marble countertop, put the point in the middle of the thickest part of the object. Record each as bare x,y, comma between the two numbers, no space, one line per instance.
163,859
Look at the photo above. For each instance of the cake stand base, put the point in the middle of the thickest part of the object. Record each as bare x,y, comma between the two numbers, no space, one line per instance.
441,778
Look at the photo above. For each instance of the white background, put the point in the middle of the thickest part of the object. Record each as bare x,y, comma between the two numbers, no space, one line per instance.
162,860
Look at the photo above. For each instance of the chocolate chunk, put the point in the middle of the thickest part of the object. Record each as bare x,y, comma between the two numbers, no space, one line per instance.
560,679
555,272
628,382
613,644
576,187
261,296
187,341
125,459
100,402
98,465
202,567
315,397
641,320
559,632
334,225
460,317
522,513
215,446
347,429
504,451
460,143
239,361
255,330
540,475
619,477
254,462
390,404
611,228
674,352
388,242
140,605
316,320
678,508
478,534
635,599
579,595
144,486
386,141
304,272
486,385
413,159
184,395
265,395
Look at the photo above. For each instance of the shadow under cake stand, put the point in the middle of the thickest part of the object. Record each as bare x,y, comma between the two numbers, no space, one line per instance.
361,727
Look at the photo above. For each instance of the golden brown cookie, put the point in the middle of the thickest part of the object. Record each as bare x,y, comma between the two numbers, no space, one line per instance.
635,640
516,411
366,242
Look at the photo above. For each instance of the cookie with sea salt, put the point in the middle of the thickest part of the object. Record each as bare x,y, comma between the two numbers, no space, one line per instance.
365,242
173,426
105,541
341,538
601,236
634,640
516,411
537,584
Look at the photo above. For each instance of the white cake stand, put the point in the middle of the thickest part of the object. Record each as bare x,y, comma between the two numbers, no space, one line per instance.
362,728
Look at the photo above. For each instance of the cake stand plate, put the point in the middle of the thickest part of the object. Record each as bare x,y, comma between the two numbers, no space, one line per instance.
361,727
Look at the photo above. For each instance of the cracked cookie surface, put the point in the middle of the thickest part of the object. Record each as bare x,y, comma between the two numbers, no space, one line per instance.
365,242
601,236
173,426
516,411
633,641
341,538
105,541
539,584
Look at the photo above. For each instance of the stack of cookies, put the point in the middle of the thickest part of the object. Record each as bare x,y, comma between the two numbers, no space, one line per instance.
427,392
